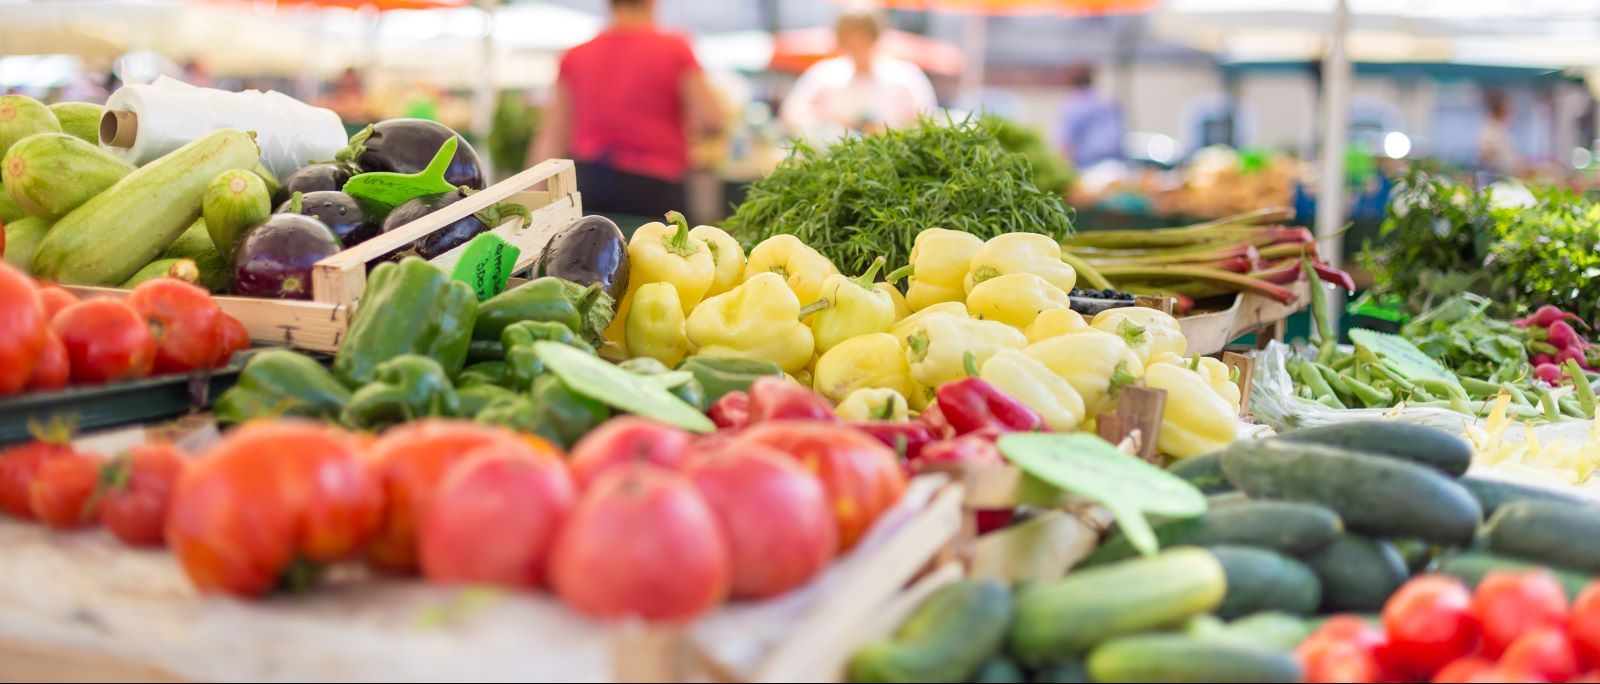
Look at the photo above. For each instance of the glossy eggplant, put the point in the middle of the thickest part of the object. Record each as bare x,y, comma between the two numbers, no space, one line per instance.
589,251
274,259
322,177
455,234
407,145
339,212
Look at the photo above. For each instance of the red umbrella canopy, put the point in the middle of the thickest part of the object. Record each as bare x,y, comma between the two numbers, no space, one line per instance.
1082,8
381,5
795,50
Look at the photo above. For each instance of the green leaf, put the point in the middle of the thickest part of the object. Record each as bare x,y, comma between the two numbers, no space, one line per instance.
640,395
1401,356
1089,467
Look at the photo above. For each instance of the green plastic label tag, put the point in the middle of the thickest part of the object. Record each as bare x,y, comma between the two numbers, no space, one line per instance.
486,265
381,191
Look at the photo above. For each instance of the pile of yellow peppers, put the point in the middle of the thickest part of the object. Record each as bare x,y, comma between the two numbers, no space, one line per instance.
997,309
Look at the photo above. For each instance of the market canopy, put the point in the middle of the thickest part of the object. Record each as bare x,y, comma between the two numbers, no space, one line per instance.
1066,7
795,50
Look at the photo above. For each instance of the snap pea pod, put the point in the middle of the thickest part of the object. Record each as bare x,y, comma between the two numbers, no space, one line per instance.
1332,402
1370,396
1479,388
1362,373
1344,362
1581,382
1340,390
1456,395
1517,394
1552,411
1570,408
1313,379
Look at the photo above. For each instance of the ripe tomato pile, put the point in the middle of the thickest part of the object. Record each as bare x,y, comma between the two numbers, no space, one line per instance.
1516,627
49,339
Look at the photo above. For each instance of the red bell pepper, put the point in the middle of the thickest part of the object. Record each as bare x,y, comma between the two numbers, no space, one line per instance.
970,405
731,412
975,449
906,438
773,398
933,417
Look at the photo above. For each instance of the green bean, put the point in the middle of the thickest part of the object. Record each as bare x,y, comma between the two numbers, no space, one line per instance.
1585,391
1344,362
1370,396
1571,408
1516,394
1552,412
1362,373
1332,402
1478,387
1313,379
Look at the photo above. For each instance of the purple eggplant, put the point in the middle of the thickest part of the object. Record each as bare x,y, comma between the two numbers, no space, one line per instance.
407,145
339,212
440,241
321,177
275,258
589,251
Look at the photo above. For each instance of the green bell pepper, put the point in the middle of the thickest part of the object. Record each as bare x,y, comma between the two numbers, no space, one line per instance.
409,307
523,364
476,398
689,390
720,375
279,383
479,351
583,310
484,373
407,387
551,410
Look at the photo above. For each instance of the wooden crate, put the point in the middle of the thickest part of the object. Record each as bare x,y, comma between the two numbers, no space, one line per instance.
338,281
1209,332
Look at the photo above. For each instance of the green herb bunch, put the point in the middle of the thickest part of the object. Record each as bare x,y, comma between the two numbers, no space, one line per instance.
1549,254
1052,171
1433,231
867,197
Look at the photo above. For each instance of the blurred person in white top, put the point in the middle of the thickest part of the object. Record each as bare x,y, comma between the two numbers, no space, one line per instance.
860,90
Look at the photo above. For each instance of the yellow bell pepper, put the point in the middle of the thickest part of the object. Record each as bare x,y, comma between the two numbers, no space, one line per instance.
850,307
872,360
759,319
655,324
658,253
905,326
727,255
939,261
1015,299
1196,421
1219,377
901,308
1020,253
1053,323
1147,331
802,268
1031,382
873,404
1095,363
938,347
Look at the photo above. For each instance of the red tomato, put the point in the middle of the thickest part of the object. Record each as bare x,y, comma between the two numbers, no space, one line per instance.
183,320
410,461
1593,677
625,439
1583,623
1465,669
55,299
61,490
1429,622
1545,652
1509,604
50,370
1333,659
643,543
106,340
18,466
774,515
516,494
24,326
232,338
862,476
136,492
267,496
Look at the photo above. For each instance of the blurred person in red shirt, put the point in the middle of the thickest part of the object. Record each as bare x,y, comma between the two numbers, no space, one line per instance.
624,106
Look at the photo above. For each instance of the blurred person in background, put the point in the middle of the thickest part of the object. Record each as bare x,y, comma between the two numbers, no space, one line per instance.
348,98
860,90
1497,150
624,107
1090,128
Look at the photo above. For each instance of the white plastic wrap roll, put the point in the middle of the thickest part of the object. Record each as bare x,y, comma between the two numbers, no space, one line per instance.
169,113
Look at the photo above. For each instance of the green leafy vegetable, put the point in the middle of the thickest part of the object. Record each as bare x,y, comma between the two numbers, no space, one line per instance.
599,380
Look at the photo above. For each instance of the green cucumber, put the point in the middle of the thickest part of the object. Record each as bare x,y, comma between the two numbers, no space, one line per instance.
1274,630
182,269
1472,566
1261,580
1063,619
1554,532
80,120
22,240
234,202
1288,527
1064,672
1492,494
1204,472
216,274
999,670
270,179
1419,444
22,116
51,174
1182,659
1375,495
946,639
1417,554
1357,574
9,211
115,233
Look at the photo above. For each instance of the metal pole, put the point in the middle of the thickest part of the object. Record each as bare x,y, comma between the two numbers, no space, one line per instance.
483,99
1335,124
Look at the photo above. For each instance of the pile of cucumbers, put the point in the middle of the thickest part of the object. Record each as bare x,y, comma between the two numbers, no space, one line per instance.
1314,522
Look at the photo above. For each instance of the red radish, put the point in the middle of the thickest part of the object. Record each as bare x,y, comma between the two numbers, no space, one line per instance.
1548,315
1548,372
1572,353
1543,360
1562,336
